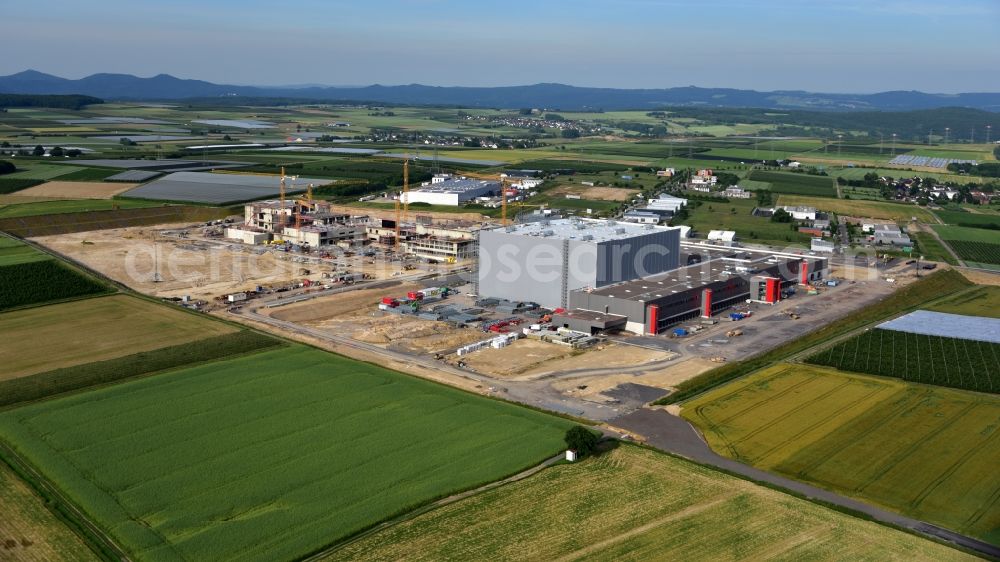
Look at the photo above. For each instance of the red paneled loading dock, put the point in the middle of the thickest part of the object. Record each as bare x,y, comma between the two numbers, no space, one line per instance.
765,289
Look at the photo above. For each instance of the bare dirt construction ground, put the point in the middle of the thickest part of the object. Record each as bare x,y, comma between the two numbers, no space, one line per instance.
665,377
76,190
355,313
597,193
201,271
605,356
515,358
28,531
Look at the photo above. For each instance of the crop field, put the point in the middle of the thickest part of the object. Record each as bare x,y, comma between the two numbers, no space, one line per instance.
930,248
952,362
44,171
981,301
40,281
973,220
36,208
118,325
10,185
916,449
61,189
977,253
871,209
271,455
74,220
967,234
796,184
13,252
635,504
29,532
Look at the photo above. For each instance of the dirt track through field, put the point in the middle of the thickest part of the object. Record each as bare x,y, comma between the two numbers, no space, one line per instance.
641,529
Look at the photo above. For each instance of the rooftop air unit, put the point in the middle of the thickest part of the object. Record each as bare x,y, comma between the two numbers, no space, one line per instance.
587,237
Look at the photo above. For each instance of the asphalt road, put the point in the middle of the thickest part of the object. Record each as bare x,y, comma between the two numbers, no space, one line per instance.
675,435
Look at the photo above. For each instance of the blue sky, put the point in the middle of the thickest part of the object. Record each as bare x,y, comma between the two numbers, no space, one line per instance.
829,45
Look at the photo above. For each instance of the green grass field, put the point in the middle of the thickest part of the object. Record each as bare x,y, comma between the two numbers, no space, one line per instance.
29,532
981,301
929,247
636,504
117,325
13,252
720,216
43,171
796,184
967,234
973,220
269,456
35,208
856,208
920,450
951,362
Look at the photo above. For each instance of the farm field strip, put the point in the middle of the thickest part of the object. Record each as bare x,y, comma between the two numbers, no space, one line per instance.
800,184
952,362
29,532
981,301
636,504
39,281
856,208
185,463
916,449
60,335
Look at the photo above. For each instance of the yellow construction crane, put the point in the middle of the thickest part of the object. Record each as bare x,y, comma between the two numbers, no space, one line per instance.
301,204
503,201
399,219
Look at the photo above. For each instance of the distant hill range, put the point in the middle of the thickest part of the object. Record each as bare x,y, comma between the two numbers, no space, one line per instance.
548,96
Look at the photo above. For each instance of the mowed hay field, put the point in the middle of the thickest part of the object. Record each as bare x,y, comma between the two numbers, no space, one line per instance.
928,452
60,335
29,532
636,504
77,189
269,456
981,301
859,208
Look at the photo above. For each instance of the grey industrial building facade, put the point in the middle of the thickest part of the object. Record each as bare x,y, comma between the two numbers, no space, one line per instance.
721,279
544,262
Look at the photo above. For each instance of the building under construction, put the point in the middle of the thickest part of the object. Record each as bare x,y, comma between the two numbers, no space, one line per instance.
300,221
716,278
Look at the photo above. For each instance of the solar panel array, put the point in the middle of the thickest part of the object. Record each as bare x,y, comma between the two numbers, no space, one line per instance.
929,161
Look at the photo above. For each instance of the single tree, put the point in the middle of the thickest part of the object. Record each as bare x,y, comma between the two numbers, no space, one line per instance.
581,440
39,151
